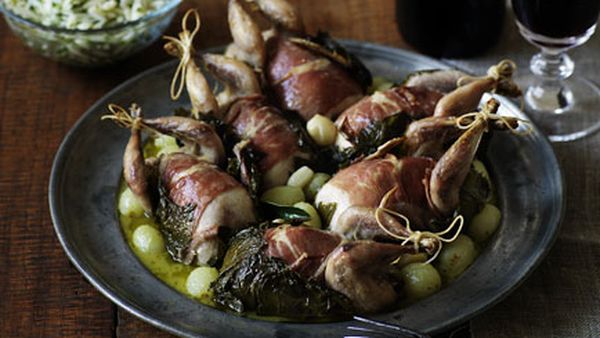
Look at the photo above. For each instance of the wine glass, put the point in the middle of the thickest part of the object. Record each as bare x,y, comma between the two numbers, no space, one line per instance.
565,107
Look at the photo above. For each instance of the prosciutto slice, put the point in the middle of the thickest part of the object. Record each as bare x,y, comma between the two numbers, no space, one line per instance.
308,83
304,249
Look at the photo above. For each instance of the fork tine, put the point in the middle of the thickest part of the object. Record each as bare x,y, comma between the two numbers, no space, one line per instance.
382,329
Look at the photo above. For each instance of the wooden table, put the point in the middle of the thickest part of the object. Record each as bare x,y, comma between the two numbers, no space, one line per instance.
42,294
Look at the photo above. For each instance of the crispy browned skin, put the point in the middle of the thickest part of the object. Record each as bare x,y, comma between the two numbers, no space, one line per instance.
199,137
304,249
266,129
430,136
464,99
326,91
451,170
134,169
361,271
412,101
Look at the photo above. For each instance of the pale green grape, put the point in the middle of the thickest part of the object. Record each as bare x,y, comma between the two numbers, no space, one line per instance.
166,144
315,184
485,223
322,130
480,168
315,220
148,239
129,204
380,84
410,258
420,280
456,257
283,195
199,280
300,177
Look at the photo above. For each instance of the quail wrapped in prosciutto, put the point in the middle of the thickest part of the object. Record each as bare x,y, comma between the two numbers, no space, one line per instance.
412,103
253,280
303,272
305,250
309,83
191,196
266,139
198,200
259,125
353,268
308,75
421,189
268,133
441,93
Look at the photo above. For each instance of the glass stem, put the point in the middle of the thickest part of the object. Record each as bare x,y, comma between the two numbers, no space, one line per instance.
550,93
558,66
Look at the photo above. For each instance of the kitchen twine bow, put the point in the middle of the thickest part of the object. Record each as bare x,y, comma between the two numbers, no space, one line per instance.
502,74
502,71
415,236
468,120
131,119
183,49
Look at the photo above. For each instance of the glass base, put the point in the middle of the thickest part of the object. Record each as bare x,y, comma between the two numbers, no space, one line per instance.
564,113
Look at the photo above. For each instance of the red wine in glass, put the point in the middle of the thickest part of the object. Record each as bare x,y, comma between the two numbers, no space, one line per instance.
557,19
564,107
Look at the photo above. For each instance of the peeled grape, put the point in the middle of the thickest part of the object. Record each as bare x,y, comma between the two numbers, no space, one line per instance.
199,280
166,144
484,224
380,84
148,239
129,204
420,280
283,195
456,257
300,177
407,259
480,168
315,184
321,130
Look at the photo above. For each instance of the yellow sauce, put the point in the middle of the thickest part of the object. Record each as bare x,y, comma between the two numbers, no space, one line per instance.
175,274
160,264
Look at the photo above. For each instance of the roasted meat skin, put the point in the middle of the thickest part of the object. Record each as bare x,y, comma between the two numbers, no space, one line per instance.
361,270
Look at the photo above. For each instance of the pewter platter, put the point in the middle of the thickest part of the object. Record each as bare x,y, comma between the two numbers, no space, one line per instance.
84,183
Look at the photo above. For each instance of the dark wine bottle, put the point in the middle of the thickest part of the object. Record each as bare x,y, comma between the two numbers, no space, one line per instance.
450,28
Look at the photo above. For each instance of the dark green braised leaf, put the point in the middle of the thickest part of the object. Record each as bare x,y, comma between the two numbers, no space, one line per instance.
372,136
474,193
175,224
330,159
222,129
244,165
249,280
326,210
289,214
